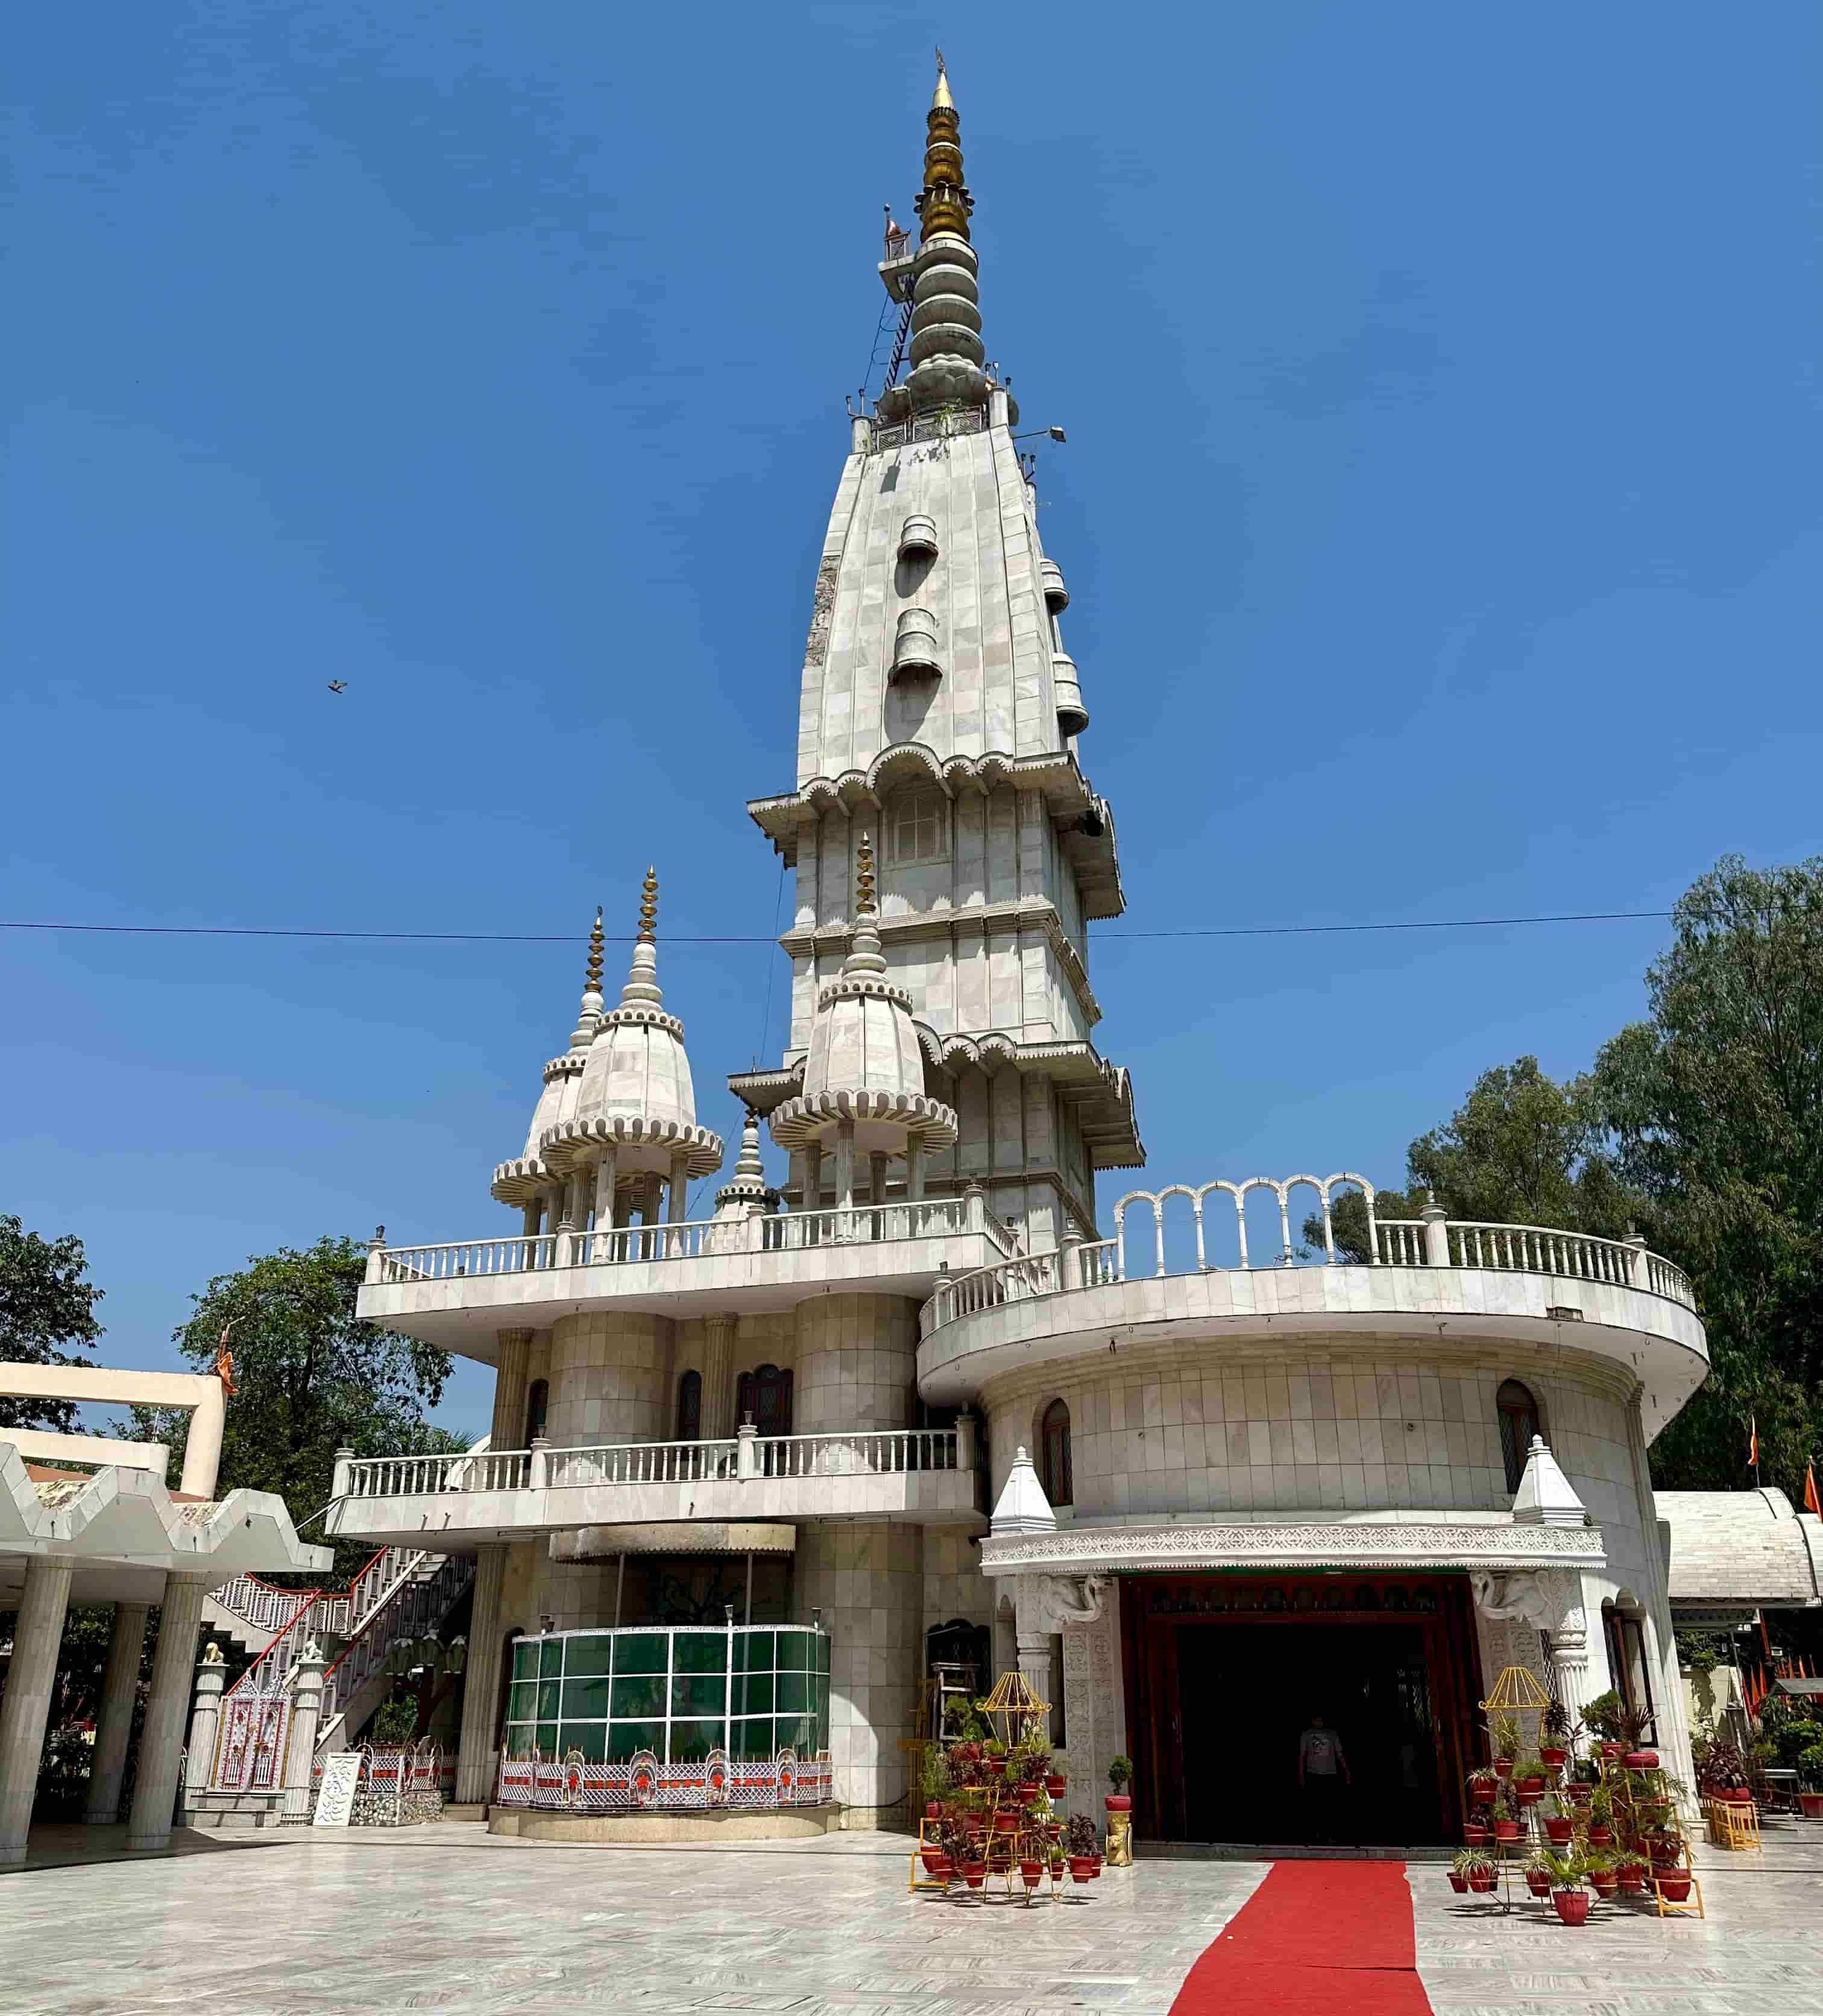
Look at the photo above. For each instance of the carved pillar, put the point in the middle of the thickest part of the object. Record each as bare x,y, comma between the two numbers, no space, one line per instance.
25,1707
813,1176
161,1740
481,1687
719,1377
301,1745
1569,1659
679,1185
205,1723
120,1687
607,1182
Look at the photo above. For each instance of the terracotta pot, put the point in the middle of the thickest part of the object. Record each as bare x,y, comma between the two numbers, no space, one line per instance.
1572,1906
1738,1795
1117,1802
1581,1795
1057,1786
1529,1799
974,1873
939,1867
1459,1884
1081,1866
1555,1758
1533,1781
1674,1885
1812,1803
1601,1837
1604,1882
934,1809
1503,1767
1482,1883
1633,1882
1666,1854
1032,1872
1506,1830
1474,1836
1481,1791
1612,1750
1559,1831
996,1766
1538,1883
1642,1760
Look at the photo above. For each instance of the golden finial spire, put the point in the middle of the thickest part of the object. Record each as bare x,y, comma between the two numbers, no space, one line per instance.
593,981
940,97
944,203
648,907
864,905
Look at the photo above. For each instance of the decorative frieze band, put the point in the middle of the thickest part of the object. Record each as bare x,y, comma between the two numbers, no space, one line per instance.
1102,1550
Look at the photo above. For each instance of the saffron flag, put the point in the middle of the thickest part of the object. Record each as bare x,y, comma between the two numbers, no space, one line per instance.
1812,1503
1753,1442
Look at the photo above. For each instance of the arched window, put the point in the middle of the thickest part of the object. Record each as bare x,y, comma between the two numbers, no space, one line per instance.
1053,1449
918,825
689,1407
1518,1413
765,1395
537,1406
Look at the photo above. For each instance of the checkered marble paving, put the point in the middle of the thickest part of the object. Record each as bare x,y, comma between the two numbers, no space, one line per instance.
448,1918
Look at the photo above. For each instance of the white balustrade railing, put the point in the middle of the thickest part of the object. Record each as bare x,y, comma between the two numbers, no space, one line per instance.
1431,1241
860,1453
772,1232
297,1616
412,1476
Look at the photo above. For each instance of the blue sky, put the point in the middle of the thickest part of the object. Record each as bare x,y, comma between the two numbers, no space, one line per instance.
1440,509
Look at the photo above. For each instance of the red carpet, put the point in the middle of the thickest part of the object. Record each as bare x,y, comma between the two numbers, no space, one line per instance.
1316,1939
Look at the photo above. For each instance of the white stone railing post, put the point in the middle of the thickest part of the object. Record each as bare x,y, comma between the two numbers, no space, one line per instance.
539,1470
1437,1231
340,1476
975,1201
747,1452
1637,1260
376,1246
965,1442
1070,1259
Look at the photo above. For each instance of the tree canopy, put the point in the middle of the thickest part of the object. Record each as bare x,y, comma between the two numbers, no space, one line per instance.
1702,1125
46,1302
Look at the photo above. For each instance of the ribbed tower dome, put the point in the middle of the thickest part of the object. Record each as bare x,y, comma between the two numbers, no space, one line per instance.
636,1091
865,1065
528,1179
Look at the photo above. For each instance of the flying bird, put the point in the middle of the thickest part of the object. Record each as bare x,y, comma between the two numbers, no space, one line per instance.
338,685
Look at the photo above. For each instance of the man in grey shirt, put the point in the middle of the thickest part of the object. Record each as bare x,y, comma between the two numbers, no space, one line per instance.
1322,1772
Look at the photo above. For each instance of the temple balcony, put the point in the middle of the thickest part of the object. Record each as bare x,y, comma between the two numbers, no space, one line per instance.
1157,1281
452,1502
458,1294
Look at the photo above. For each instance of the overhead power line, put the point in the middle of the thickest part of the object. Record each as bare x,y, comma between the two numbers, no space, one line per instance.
731,938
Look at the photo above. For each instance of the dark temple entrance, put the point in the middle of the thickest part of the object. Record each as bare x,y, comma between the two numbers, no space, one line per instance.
1225,1672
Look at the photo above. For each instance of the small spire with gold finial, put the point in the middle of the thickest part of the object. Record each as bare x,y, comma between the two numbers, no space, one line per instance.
649,906
589,1016
944,203
864,952
642,974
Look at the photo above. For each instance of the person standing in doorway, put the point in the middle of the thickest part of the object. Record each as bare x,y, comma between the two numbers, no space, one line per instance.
1322,1772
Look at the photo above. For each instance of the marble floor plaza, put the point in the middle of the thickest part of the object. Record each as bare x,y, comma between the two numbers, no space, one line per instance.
446,1918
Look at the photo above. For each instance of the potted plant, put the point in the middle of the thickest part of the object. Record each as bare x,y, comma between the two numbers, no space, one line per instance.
1475,1834
933,1782
1603,1873
1120,1775
1506,1817
1601,1817
1558,1737
1505,1732
1058,1782
1570,1890
1467,1864
1810,1781
1605,1715
1632,1870
1721,1774
1633,1722
1085,1848
1673,1879
1475,1869
995,1757
1529,1780
1482,1785
1560,1822
962,1854
1537,1876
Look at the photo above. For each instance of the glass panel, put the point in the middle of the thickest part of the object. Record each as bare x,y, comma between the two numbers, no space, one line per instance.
547,1699
522,1703
699,1652
550,1658
589,1737
692,1741
588,1654
642,1695
625,1737
519,1738
587,1698
798,1731
640,1652
822,1653
547,1739
753,1651
753,1693
702,1693
751,1741
794,1651
793,1695
525,1661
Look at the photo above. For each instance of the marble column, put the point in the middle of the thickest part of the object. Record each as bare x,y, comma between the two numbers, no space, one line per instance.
680,1200
120,1688
844,1164
1569,1660
512,1349
607,1182
877,1177
300,1745
167,1711
26,1706
915,1167
813,1176
528,1227
481,1684
205,1722
717,1417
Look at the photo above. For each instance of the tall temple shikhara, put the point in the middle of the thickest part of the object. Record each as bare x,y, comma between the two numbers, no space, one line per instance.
764,1487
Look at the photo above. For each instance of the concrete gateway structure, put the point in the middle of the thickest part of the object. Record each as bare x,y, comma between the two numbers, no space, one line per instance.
764,1444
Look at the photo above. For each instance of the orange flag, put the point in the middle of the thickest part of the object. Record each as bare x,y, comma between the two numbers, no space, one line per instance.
1812,1502
1752,1442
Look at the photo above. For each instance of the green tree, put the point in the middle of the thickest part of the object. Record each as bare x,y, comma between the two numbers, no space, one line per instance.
46,1302
1714,1107
310,1375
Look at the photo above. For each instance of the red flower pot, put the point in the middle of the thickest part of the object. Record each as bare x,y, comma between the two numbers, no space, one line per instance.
1503,1767
974,1873
1633,1882
1538,1883
934,1809
1613,1751
1572,1906
1506,1830
1674,1885
996,1766
1533,1781
1555,1758
936,1863
1642,1760
1738,1795
1666,1854
1811,1802
1605,1882
1601,1837
1459,1884
1559,1831
1483,1882
1581,1795
1082,1867
1117,1802
1529,1799
1481,1791
1474,1836
1030,1873
1057,1786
